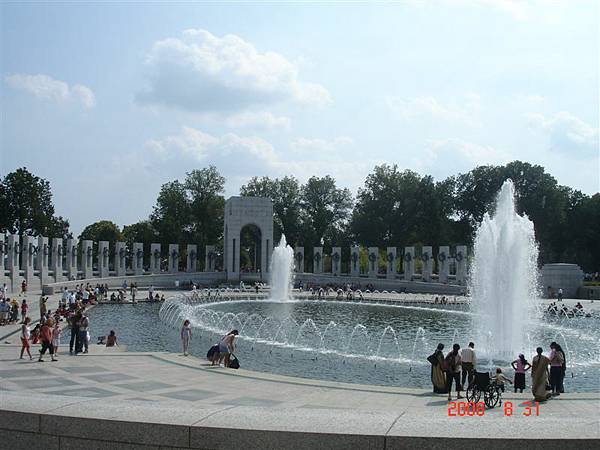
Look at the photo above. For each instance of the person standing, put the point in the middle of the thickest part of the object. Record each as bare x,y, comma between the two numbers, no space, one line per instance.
186,336
556,368
560,294
25,336
520,365
438,376
84,325
43,308
73,321
452,364
46,339
24,287
468,360
539,375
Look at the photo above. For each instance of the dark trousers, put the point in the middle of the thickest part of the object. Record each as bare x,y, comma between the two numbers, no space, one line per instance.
556,378
73,341
467,371
450,375
82,343
47,346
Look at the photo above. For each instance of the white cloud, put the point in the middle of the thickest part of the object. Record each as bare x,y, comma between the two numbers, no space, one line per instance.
466,111
47,88
258,120
311,146
450,156
566,133
203,72
192,146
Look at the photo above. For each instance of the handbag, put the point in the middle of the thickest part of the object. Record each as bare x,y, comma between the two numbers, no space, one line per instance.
234,363
433,360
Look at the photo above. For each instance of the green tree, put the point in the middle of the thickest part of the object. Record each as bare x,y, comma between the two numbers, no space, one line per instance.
26,202
204,190
103,230
325,210
171,214
285,193
141,231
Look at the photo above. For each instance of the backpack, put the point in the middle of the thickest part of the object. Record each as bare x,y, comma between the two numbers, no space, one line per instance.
212,351
234,363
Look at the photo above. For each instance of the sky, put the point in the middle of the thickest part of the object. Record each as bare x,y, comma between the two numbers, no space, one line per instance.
108,101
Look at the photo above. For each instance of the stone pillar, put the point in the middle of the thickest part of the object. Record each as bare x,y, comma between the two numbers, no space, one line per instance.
28,249
42,259
336,260
71,253
355,261
2,255
103,255
192,257
409,263
13,252
318,260
427,260
58,251
461,264
138,258
373,261
87,258
120,255
443,266
210,258
390,270
155,258
299,259
173,258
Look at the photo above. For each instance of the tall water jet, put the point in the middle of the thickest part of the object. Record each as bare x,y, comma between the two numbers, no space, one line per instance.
504,277
282,269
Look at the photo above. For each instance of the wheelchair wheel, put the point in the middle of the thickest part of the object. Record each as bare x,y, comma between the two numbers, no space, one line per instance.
491,397
473,394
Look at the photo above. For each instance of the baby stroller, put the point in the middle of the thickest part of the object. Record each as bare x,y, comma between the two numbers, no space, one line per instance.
483,385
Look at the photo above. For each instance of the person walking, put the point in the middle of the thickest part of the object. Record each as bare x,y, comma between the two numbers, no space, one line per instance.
46,338
520,366
24,309
452,365
539,376
186,336
468,360
56,332
25,336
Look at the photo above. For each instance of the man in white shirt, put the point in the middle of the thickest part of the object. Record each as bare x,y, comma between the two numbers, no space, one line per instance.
467,356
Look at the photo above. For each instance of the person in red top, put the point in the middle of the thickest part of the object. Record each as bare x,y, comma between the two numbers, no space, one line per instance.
24,287
24,308
46,338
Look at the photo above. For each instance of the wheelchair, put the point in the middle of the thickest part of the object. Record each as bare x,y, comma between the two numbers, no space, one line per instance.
483,385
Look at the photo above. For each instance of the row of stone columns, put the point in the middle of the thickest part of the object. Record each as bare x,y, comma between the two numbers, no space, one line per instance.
60,258
444,258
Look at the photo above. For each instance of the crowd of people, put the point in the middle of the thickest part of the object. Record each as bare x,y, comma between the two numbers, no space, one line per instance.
458,367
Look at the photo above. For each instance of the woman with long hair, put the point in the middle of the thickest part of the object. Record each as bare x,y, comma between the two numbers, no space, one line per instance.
25,336
227,346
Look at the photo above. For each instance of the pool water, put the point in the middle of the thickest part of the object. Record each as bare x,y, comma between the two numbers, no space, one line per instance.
349,342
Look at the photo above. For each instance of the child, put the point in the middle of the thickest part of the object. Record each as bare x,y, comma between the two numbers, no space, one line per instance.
186,335
499,379
56,337
35,334
24,308
25,335
111,339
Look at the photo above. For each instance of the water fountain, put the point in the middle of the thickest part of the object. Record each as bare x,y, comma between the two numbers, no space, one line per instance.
504,277
282,269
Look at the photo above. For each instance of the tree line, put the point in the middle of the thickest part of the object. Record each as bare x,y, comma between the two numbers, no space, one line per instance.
394,207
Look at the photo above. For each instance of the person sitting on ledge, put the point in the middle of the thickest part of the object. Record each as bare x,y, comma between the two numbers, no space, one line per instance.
113,297
111,340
